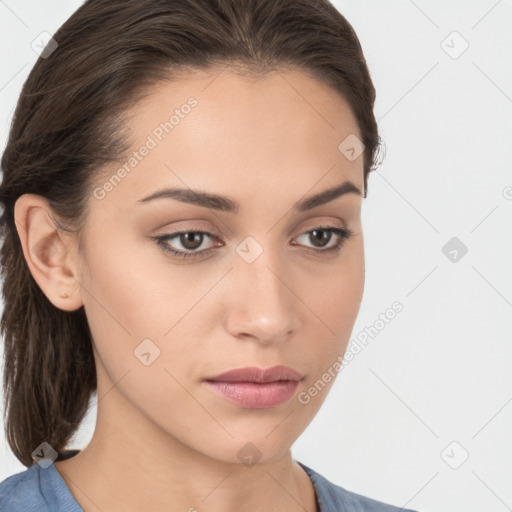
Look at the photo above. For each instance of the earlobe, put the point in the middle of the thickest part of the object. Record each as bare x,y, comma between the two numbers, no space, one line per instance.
48,252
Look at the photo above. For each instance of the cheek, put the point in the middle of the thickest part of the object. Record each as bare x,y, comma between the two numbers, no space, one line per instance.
132,300
134,293
120,300
345,293
334,299
132,285
339,288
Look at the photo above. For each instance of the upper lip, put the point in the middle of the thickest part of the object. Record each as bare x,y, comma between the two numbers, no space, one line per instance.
254,374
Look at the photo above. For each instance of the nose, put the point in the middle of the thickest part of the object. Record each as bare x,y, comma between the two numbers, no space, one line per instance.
261,304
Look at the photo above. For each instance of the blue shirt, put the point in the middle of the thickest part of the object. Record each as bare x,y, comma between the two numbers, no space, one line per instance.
43,490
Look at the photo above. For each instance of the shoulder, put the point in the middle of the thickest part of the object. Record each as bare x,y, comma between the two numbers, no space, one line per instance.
332,497
22,492
38,489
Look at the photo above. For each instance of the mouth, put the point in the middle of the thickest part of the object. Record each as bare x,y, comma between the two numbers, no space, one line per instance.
255,395
258,375
256,388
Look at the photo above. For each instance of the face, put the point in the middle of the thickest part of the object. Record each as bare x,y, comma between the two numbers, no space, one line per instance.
255,280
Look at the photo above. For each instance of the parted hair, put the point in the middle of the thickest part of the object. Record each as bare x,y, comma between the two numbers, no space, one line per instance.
68,124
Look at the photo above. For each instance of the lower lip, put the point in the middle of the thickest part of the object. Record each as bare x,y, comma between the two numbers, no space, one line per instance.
253,395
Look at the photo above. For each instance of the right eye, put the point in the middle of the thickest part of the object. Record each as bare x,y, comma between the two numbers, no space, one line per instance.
189,240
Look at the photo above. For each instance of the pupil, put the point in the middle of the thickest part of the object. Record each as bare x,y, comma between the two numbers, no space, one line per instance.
325,239
191,240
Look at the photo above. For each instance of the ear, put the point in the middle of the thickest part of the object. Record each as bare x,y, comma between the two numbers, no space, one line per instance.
50,253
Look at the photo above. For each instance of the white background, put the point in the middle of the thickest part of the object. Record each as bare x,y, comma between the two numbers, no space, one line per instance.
440,371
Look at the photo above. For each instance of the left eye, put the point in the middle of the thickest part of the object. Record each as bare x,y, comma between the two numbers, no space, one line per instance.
192,240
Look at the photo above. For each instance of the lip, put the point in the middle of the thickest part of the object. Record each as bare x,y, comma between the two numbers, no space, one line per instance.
260,375
256,388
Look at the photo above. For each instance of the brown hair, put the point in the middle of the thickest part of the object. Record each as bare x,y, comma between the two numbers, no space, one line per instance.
68,123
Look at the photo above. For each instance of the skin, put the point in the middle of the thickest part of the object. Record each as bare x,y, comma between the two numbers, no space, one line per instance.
163,441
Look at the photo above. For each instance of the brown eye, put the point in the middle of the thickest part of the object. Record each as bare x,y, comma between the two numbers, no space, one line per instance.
186,241
191,242
322,235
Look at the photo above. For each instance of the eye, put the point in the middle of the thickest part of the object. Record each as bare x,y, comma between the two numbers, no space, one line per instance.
191,241
322,235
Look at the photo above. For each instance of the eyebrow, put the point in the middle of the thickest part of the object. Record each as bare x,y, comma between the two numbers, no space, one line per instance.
226,204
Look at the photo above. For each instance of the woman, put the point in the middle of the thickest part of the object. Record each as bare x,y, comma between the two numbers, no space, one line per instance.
182,191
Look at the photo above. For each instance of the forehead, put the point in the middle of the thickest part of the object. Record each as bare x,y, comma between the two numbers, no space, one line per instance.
226,99
279,131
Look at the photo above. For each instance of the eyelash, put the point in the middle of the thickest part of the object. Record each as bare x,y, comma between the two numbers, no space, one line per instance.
343,233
